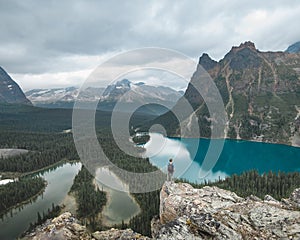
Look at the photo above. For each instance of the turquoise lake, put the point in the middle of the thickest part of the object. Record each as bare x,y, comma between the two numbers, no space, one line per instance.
236,157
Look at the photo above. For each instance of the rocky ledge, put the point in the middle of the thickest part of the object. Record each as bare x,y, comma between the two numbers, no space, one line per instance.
189,213
67,227
214,213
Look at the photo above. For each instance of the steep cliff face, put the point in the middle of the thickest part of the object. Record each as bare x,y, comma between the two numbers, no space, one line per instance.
260,91
213,213
10,92
189,213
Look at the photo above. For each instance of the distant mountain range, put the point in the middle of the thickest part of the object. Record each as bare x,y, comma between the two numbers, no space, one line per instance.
261,94
10,92
62,97
123,90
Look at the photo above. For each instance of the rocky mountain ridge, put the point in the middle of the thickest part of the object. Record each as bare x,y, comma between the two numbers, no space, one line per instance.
260,93
10,92
189,213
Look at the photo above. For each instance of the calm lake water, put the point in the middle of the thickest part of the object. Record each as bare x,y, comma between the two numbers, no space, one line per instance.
236,157
60,180
120,206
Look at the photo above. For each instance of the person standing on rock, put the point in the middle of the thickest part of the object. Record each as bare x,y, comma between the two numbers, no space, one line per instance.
170,170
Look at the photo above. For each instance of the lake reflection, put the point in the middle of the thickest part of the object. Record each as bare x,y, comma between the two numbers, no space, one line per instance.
60,179
121,206
237,156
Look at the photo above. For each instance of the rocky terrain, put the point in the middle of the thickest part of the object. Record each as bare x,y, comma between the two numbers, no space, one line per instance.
10,92
213,213
189,213
66,226
260,92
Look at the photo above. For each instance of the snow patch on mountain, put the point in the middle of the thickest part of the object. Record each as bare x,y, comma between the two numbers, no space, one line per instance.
69,94
123,90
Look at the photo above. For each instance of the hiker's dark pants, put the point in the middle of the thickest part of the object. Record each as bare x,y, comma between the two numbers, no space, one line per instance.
170,176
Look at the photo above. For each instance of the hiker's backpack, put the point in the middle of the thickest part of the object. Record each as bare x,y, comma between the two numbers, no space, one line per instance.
170,168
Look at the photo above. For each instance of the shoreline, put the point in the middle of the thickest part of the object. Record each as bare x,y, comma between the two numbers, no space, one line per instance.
241,139
19,175
25,174
69,204
233,139
62,161
25,201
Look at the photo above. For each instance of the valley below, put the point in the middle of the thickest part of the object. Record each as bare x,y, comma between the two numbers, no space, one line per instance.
253,163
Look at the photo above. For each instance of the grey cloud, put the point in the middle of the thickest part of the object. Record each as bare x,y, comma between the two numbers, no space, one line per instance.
39,36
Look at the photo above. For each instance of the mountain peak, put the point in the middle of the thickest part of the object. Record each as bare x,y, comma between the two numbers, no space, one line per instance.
243,56
124,81
206,62
247,44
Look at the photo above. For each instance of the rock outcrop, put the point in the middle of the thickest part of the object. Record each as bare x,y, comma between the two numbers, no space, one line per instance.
189,213
214,213
67,227
207,62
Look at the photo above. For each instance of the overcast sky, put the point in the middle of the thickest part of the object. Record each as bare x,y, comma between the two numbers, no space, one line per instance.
58,43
